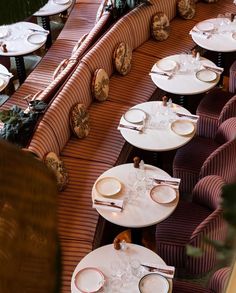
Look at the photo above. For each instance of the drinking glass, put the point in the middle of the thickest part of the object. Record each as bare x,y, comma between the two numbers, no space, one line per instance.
136,268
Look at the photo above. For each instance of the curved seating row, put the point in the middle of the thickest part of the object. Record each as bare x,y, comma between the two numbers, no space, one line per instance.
85,159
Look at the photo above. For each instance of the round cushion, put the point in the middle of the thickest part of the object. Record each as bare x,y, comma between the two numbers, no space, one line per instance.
79,120
122,58
100,85
57,166
186,8
160,26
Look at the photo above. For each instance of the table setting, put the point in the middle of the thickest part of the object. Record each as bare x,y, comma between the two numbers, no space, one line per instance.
216,34
132,269
135,197
155,126
185,74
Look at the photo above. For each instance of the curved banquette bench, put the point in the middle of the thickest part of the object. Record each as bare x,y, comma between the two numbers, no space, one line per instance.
80,228
80,31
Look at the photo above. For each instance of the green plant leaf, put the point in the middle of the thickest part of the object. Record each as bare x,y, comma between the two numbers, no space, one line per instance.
193,251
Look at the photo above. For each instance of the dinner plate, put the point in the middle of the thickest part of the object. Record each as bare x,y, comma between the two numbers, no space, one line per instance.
166,64
206,75
36,38
153,283
135,115
89,280
205,26
163,193
182,127
108,186
61,2
3,31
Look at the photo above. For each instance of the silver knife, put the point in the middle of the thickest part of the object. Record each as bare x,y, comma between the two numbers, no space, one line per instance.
129,127
187,115
38,31
164,271
165,181
109,204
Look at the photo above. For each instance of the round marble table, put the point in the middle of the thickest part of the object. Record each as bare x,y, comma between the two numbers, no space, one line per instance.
183,82
156,138
141,212
21,38
102,257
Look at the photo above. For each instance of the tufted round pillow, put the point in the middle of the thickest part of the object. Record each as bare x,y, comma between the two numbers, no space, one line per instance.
57,166
160,26
186,8
122,57
100,85
79,120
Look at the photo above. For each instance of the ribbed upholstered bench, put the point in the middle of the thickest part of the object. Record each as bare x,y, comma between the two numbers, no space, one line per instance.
80,26
85,159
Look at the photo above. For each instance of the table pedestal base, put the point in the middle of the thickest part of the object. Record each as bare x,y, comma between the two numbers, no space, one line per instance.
46,26
20,67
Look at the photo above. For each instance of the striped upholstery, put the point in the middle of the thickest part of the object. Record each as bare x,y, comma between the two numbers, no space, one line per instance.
81,20
178,41
219,280
188,170
214,108
104,118
232,78
189,224
77,220
213,157
101,55
72,252
204,10
137,86
140,17
187,287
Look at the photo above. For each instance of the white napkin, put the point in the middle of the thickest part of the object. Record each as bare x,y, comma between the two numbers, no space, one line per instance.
216,68
168,271
197,33
111,204
130,127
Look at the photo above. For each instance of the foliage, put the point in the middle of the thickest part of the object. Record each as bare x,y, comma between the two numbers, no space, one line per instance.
17,10
18,125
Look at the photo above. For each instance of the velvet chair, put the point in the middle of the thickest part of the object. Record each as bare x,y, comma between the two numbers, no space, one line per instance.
190,223
215,108
205,156
217,284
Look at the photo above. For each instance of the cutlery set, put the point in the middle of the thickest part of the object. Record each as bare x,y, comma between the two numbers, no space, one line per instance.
39,31
162,73
156,269
106,203
215,69
175,183
135,128
193,117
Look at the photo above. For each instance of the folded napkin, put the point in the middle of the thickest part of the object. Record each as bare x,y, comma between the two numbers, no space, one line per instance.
215,68
111,204
204,35
132,127
164,270
191,117
174,182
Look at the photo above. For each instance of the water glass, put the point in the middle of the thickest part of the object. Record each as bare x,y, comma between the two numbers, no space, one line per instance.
136,268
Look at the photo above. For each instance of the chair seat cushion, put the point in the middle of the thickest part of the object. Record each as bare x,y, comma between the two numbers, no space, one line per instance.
174,233
198,149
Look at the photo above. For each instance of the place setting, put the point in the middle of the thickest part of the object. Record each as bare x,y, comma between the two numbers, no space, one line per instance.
134,120
165,68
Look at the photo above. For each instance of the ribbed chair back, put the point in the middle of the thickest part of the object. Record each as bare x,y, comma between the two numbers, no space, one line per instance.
229,110
226,131
221,162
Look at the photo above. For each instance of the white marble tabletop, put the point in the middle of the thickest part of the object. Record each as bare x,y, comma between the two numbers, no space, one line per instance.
222,37
184,80
141,211
5,76
22,38
102,257
157,138
54,7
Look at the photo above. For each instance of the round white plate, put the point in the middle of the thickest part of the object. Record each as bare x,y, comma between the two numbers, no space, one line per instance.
108,186
135,115
206,75
89,280
61,2
163,193
182,127
234,35
153,283
3,31
36,38
205,26
166,64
